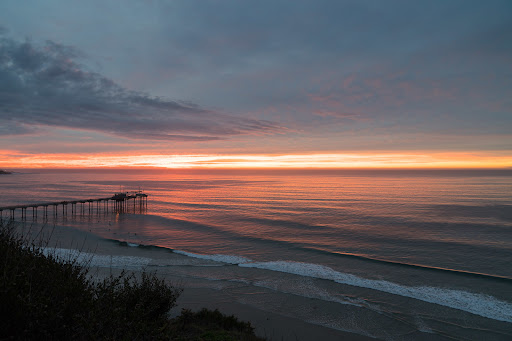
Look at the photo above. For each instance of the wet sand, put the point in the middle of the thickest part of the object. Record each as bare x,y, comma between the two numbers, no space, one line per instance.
269,325
266,324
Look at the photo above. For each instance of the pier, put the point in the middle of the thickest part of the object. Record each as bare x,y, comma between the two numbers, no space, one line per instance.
119,202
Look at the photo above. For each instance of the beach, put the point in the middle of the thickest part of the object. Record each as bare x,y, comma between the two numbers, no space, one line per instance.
326,170
108,258
417,256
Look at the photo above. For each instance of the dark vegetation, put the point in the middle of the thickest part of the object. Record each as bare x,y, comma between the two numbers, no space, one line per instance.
44,297
4,172
210,325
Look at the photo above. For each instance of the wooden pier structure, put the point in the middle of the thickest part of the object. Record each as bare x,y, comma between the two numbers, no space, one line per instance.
118,203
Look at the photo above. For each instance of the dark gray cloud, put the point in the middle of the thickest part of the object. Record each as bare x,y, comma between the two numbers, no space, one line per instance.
46,85
339,70
410,60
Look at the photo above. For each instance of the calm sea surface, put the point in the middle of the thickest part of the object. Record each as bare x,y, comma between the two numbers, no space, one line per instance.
393,255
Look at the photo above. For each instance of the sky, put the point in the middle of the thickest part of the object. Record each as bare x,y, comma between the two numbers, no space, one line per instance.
232,83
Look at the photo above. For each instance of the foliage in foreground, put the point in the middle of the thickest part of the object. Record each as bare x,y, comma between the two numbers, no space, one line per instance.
210,325
45,297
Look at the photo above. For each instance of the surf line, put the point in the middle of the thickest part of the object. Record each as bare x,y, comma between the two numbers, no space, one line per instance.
425,267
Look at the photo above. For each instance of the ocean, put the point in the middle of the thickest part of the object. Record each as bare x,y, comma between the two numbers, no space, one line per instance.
394,255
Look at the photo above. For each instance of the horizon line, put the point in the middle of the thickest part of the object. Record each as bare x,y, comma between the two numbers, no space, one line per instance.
390,168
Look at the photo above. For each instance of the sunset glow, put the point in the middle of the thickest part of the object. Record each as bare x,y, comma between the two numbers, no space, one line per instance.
331,169
342,84
324,161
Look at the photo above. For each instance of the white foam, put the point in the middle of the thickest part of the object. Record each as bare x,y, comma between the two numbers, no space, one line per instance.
483,305
132,244
229,259
98,260
305,290
422,326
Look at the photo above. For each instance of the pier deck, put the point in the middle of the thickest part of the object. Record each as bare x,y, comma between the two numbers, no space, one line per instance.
119,203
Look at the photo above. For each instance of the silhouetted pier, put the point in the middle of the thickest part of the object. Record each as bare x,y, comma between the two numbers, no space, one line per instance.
119,202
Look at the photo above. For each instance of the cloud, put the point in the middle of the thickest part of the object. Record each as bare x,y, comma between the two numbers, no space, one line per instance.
340,115
45,85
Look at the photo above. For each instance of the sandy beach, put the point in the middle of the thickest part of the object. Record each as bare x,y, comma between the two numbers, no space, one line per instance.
296,170
319,264
269,325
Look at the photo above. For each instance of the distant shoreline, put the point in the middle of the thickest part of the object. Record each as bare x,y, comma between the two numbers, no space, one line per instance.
4,172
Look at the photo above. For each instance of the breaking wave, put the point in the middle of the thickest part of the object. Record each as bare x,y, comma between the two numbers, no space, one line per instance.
483,305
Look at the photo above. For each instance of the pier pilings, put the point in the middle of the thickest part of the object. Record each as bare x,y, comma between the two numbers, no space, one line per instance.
118,203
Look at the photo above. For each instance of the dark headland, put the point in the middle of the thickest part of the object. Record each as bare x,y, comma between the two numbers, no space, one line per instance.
4,172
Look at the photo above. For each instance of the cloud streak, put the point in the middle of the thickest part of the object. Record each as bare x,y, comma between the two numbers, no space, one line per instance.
340,75
45,85
387,159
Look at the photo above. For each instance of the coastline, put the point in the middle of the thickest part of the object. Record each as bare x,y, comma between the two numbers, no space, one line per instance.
261,243
269,325
266,324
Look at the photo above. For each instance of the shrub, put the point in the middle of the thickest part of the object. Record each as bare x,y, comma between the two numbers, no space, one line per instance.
44,297
210,325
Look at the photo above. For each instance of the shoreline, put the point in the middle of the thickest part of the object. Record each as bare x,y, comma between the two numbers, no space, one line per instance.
266,324
269,325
